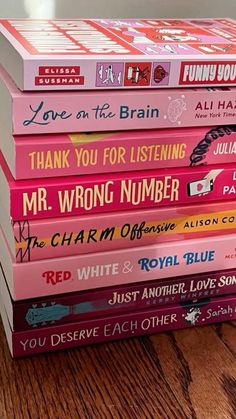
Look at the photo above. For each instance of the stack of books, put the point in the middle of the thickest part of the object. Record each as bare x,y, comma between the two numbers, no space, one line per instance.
117,179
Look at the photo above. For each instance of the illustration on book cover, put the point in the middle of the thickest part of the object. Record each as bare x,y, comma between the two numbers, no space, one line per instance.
153,45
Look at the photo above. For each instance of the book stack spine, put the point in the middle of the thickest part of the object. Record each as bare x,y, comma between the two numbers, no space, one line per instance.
117,179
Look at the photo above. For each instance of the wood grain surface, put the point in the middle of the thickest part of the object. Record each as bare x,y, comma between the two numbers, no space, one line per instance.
180,375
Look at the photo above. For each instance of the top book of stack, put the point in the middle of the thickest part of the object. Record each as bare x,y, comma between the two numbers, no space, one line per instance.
118,54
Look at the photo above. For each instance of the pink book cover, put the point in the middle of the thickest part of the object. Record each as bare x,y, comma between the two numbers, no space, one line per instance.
116,267
123,325
111,110
72,307
68,236
90,194
118,54
45,155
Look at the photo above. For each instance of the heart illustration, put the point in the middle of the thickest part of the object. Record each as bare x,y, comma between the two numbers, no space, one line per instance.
199,187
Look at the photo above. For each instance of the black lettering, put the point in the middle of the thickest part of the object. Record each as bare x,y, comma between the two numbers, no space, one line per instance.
80,237
106,233
54,241
91,235
200,151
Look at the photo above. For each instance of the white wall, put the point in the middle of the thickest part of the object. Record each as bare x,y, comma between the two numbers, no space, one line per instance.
149,8
118,8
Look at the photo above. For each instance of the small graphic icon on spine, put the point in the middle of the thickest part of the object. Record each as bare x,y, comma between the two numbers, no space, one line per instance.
175,109
109,74
137,74
192,315
160,74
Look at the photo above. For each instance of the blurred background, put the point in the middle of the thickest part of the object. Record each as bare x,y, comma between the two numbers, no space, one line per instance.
117,8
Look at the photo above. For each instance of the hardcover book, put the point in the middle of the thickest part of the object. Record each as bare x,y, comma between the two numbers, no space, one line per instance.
118,54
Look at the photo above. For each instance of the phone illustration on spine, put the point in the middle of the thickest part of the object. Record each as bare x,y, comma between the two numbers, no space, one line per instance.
199,187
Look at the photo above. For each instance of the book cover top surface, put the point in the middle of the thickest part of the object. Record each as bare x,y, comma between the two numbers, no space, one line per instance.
126,37
125,53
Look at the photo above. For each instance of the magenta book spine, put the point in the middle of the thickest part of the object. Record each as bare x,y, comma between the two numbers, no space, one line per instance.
115,192
67,308
123,326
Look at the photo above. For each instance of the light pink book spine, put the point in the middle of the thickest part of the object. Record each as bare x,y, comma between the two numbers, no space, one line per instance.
68,236
97,270
80,154
117,110
63,112
59,112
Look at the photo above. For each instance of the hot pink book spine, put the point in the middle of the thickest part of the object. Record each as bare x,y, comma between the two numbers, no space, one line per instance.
111,301
57,197
68,236
97,270
122,326
59,112
80,154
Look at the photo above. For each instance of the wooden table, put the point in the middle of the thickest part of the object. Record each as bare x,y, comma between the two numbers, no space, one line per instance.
185,374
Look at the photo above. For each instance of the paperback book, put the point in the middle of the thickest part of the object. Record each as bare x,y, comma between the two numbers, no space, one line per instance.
109,328
39,156
91,194
114,54
72,307
116,267
67,236
24,113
